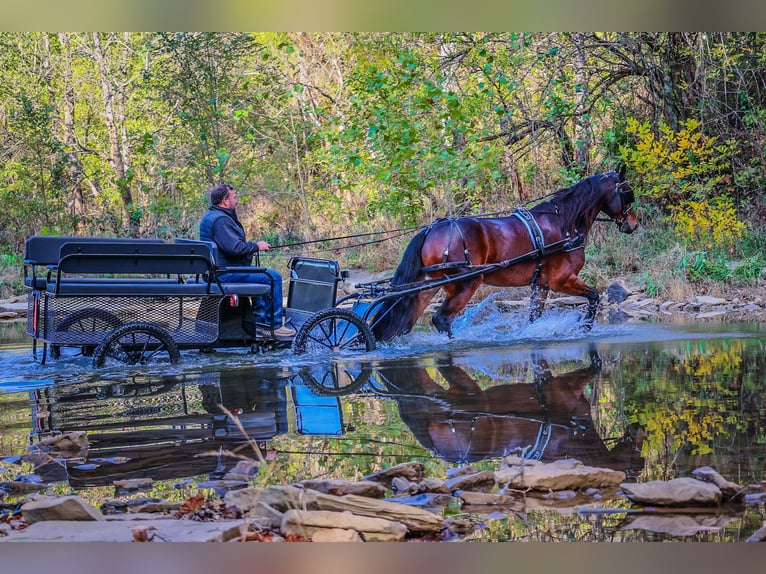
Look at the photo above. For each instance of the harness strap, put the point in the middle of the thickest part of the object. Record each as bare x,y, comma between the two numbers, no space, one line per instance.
445,264
535,233
541,442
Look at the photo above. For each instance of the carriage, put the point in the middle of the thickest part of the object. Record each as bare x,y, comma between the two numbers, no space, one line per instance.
138,300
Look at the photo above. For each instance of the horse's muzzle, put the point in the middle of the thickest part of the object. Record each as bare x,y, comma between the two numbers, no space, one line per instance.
627,226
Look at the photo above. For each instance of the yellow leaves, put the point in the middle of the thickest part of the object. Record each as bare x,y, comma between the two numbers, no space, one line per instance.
705,223
672,164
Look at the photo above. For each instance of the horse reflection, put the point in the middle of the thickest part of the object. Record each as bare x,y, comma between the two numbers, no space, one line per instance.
545,420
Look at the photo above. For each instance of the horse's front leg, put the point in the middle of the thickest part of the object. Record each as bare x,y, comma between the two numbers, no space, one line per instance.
590,314
537,301
575,286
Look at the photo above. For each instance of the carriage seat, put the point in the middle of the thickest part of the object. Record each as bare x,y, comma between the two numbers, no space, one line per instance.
129,267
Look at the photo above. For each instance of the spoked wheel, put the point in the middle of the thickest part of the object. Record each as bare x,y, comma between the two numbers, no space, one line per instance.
86,321
335,380
137,344
334,331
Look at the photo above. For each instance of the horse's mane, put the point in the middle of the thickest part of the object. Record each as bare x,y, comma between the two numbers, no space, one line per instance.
576,204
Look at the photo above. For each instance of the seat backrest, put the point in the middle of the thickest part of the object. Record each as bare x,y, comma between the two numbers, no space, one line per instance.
313,284
45,251
211,246
130,257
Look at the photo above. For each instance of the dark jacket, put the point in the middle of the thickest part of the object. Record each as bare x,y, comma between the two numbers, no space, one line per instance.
222,227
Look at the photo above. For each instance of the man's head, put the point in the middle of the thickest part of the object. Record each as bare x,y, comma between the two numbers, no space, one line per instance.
224,195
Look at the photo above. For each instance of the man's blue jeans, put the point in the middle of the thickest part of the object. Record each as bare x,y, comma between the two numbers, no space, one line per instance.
261,312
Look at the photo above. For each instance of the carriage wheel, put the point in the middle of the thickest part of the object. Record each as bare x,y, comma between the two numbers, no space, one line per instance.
137,344
88,320
333,330
335,381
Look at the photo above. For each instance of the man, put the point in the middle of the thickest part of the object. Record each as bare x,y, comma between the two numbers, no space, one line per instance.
221,226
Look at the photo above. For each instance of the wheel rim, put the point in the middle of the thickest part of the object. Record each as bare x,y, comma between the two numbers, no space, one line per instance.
137,348
137,344
336,334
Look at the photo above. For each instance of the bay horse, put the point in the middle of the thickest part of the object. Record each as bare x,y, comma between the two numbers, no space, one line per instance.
542,247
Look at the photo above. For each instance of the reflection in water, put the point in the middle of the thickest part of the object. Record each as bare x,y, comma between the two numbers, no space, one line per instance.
177,427
546,419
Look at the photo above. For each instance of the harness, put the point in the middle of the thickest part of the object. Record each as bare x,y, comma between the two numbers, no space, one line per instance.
445,255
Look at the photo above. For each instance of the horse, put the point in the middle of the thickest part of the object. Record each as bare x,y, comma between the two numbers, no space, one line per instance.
546,420
542,247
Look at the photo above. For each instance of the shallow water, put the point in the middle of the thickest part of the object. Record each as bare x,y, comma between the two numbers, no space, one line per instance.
653,400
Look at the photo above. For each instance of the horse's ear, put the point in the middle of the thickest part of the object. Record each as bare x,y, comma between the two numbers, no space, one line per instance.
621,169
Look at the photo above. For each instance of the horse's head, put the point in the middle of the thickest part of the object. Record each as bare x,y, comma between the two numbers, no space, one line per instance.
619,204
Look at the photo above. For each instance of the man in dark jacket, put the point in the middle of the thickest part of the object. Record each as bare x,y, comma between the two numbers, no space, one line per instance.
221,226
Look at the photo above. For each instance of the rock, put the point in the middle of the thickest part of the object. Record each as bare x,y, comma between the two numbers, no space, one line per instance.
415,519
616,293
676,524
400,485
342,487
71,441
708,300
412,471
483,481
121,530
460,471
244,470
433,484
59,508
676,492
308,523
423,500
758,536
488,499
565,474
730,490
13,309
336,535
280,498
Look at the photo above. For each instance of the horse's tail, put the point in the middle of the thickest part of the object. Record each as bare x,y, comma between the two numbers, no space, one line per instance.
397,316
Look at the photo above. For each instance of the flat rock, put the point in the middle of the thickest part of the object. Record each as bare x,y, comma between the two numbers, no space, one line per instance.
343,487
730,490
412,471
122,531
677,492
483,481
488,499
308,523
46,508
559,475
677,524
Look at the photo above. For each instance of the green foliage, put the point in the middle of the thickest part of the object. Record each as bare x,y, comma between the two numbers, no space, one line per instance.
701,266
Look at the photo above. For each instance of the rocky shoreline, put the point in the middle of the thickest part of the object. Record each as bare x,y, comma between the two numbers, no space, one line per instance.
395,504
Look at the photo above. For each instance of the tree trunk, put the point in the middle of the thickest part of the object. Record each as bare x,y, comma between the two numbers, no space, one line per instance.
113,130
76,174
582,125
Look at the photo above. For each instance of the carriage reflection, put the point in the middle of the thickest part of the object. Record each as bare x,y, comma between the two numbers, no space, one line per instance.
173,428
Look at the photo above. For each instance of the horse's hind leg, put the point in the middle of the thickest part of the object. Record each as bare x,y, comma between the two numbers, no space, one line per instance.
457,297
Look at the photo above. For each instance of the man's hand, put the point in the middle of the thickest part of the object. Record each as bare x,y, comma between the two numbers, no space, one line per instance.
263,245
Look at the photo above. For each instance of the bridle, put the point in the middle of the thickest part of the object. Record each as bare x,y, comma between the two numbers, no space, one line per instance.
627,198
